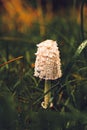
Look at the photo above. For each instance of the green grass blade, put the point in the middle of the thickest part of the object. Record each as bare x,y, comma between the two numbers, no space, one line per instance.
73,60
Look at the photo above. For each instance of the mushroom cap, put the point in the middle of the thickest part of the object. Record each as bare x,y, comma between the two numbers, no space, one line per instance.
48,63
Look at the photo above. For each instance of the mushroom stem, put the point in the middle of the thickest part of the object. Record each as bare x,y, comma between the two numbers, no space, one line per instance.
47,97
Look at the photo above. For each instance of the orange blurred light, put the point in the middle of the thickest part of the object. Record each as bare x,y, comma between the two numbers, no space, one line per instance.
16,14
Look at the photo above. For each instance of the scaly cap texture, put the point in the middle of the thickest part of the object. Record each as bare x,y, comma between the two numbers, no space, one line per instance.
48,63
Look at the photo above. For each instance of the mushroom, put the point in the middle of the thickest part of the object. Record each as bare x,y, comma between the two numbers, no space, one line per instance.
47,66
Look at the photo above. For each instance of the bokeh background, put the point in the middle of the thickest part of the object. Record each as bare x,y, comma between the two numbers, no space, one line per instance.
24,24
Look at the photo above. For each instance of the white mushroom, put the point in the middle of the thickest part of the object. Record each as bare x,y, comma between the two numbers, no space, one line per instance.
47,65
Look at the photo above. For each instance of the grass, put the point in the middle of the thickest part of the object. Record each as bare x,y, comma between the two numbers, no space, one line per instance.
18,84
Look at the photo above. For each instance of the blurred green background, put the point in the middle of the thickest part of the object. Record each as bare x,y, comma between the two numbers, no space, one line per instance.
24,24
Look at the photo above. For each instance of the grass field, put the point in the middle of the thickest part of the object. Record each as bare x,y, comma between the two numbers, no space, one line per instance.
21,93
